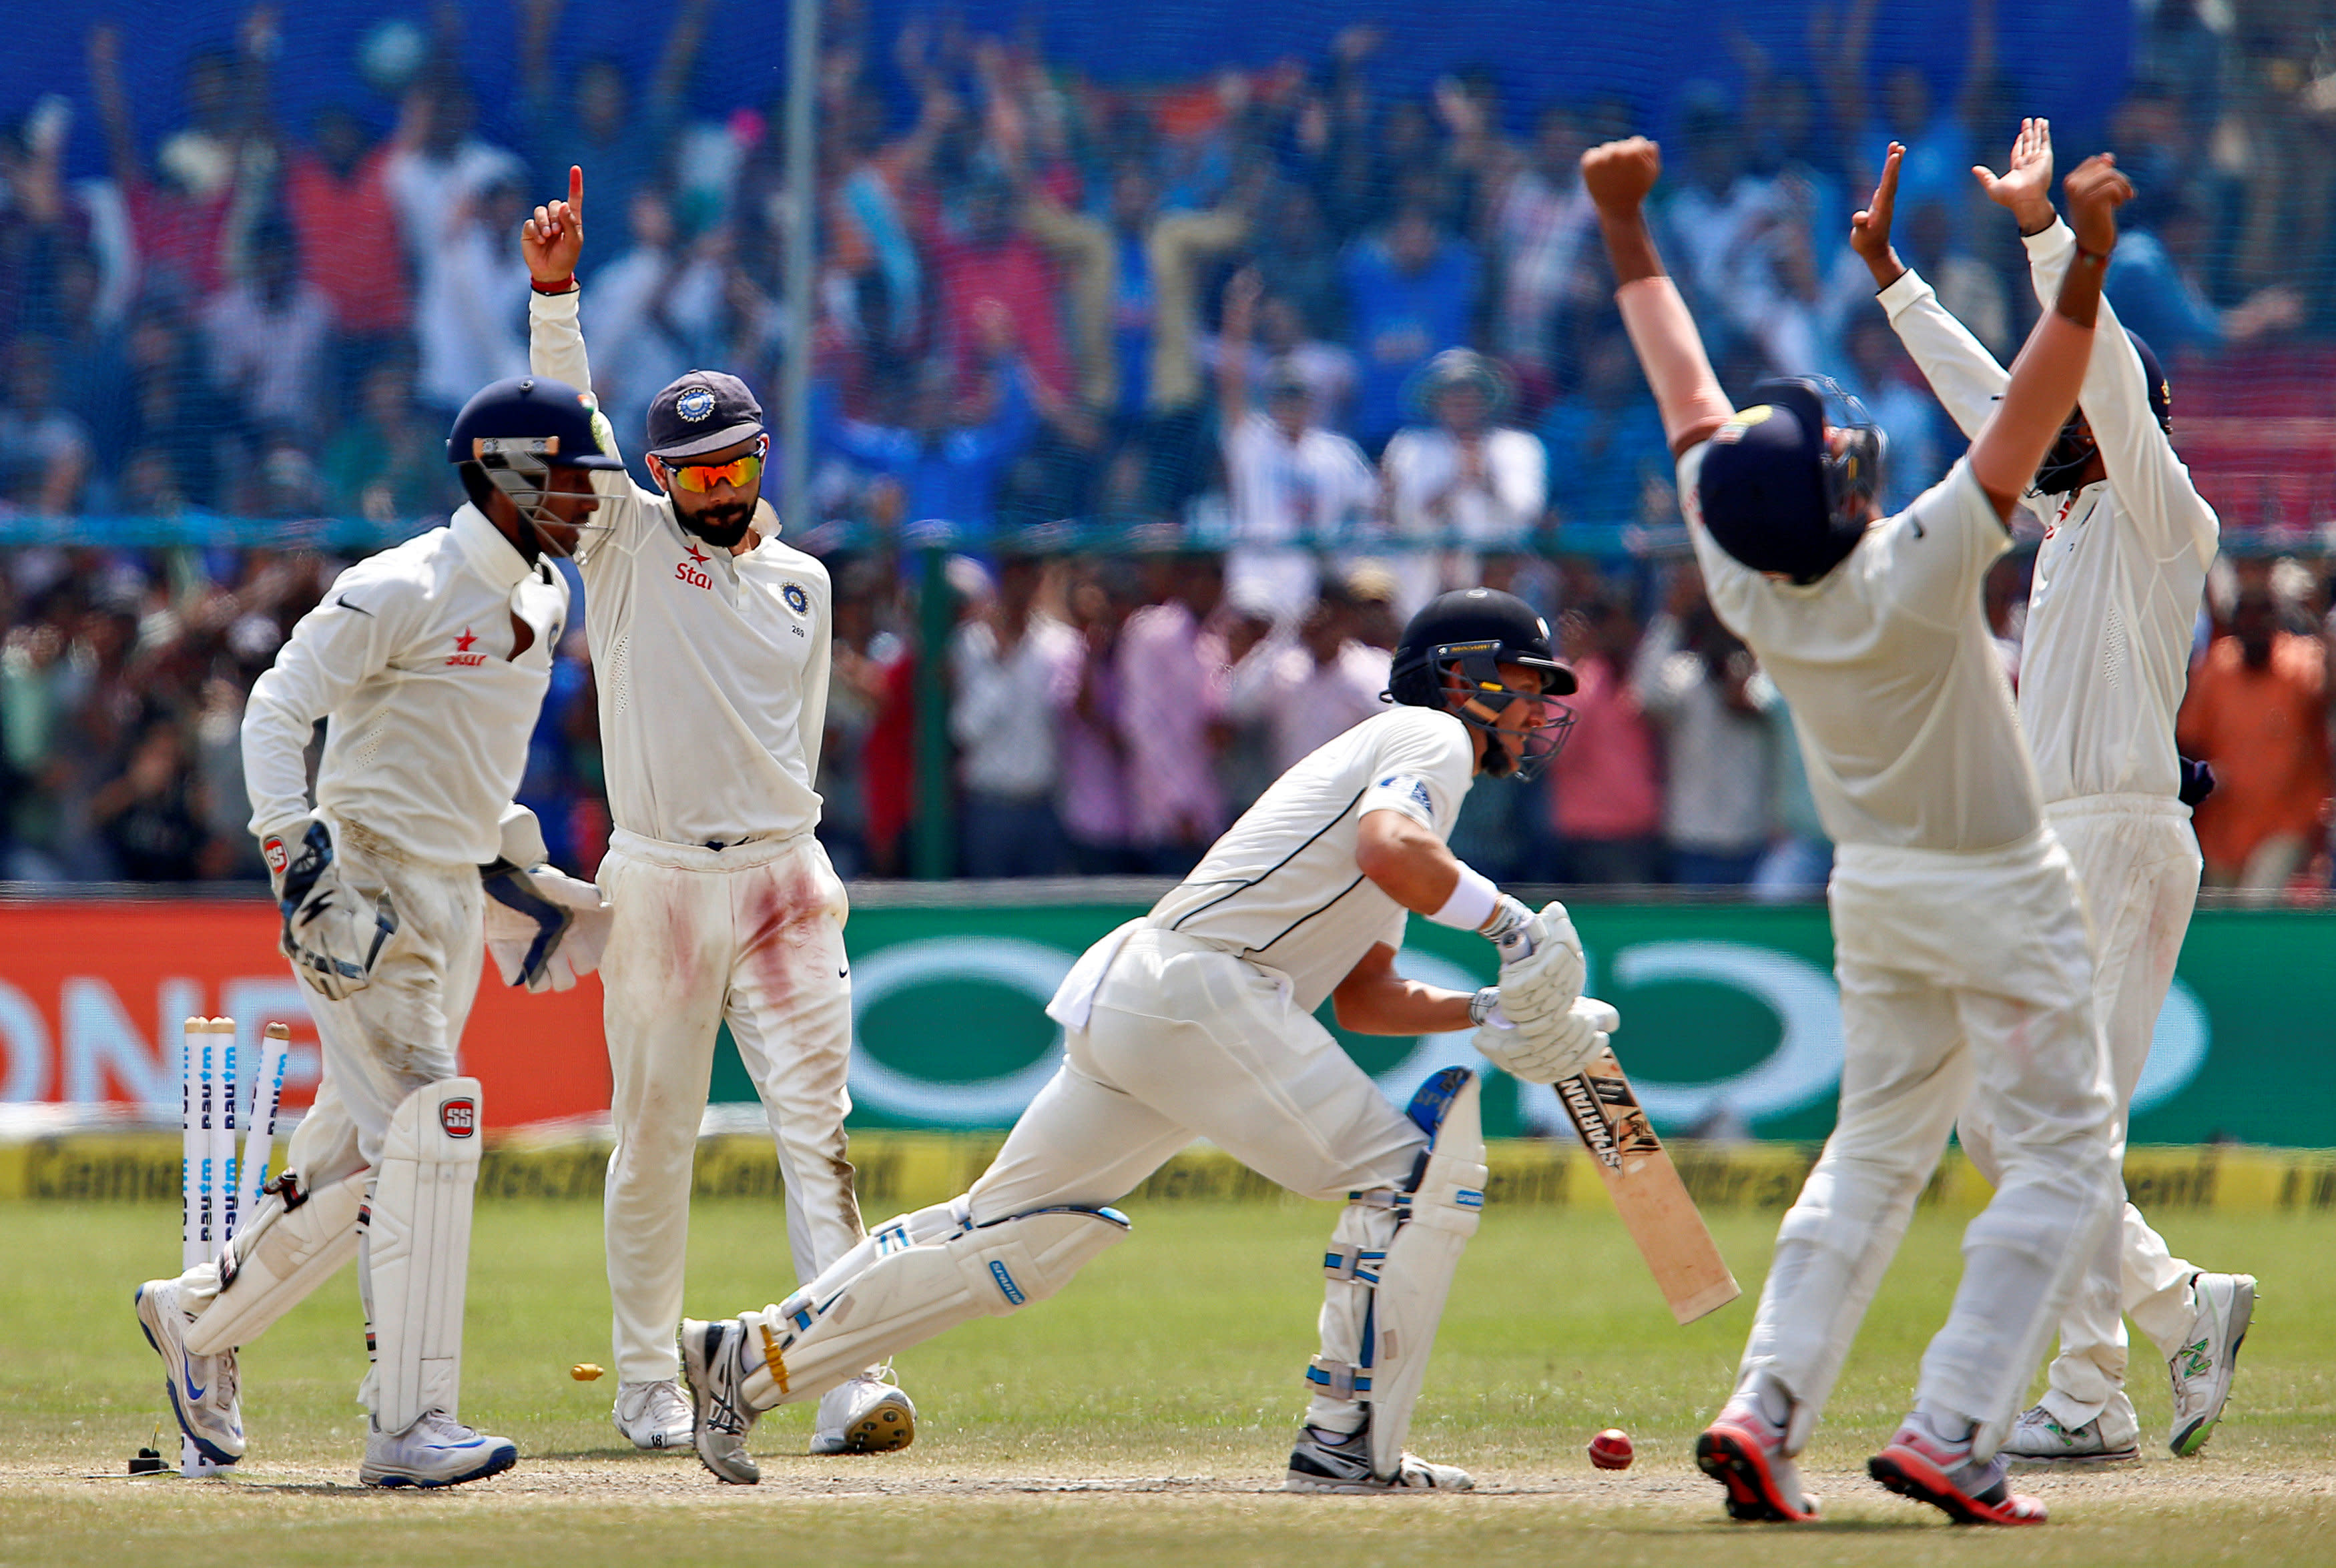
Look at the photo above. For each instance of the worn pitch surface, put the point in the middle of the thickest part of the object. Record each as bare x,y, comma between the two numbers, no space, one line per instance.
1142,1416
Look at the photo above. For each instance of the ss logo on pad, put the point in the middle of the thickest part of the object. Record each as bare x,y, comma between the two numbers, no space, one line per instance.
458,1118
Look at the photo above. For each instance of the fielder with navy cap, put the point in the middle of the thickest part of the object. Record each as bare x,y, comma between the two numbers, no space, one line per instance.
429,661
1960,939
1198,1021
709,642
2127,540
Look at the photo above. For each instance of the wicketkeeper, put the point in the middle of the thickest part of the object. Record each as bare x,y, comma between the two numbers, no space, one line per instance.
429,662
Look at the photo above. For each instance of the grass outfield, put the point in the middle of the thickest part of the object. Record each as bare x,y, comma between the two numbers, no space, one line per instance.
1140,1418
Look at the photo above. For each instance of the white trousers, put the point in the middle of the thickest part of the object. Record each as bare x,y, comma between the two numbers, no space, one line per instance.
2136,859
1966,980
402,1032
1187,1041
752,935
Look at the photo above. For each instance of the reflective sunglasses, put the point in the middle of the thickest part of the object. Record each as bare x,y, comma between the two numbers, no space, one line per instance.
699,477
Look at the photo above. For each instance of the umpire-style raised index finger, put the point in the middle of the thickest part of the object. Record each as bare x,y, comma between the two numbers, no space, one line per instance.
575,190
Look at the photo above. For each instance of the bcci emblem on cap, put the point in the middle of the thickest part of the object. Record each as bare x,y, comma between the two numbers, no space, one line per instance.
695,404
458,1118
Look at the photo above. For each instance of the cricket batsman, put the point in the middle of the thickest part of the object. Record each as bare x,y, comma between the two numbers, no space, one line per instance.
1960,939
1197,1021
429,662
2127,540
709,641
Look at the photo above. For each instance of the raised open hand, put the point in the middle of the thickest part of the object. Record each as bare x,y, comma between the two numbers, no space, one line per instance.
2095,188
1618,174
553,239
2026,189
1869,231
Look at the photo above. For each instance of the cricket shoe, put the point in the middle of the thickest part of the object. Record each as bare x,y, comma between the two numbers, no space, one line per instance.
2038,1440
437,1450
202,1387
2202,1367
653,1415
1744,1451
1327,1462
869,1415
713,1365
1921,1465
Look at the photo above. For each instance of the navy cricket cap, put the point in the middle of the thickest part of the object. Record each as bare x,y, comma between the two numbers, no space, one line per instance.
703,412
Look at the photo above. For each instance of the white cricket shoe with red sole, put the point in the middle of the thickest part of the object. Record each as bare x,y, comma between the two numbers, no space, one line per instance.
1744,1451
1921,1465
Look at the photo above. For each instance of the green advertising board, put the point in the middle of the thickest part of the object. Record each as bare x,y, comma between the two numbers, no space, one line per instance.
1730,1020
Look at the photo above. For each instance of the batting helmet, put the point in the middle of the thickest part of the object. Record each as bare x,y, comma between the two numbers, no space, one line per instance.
1472,631
518,429
1775,492
2061,471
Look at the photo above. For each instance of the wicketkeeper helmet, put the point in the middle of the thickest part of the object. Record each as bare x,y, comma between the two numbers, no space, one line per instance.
518,429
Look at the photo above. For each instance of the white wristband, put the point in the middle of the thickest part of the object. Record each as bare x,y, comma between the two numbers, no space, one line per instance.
1471,904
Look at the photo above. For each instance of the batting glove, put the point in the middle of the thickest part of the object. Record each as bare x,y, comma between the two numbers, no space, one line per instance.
1558,1047
1541,965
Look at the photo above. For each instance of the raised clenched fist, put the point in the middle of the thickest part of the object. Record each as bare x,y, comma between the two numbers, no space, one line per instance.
2094,190
1618,174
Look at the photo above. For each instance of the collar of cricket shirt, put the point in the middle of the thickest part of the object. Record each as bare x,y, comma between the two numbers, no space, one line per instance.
488,552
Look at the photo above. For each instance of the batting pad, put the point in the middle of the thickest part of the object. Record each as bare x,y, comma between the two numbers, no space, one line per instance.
418,1251
906,1296
1445,1206
279,1257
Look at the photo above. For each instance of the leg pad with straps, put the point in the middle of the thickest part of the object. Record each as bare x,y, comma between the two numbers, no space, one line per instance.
1390,1267
417,1247
291,1242
909,1281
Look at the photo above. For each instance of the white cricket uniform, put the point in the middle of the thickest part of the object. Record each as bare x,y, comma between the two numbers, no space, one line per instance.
713,674
1961,948
2106,660
431,660
1197,1021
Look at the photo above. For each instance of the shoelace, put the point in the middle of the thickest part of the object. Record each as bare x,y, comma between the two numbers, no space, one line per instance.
438,1427
666,1405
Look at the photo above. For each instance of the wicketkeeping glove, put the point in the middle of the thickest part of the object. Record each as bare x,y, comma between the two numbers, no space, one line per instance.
333,933
1558,1047
545,929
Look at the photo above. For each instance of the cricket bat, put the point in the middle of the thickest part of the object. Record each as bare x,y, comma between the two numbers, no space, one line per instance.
1646,1189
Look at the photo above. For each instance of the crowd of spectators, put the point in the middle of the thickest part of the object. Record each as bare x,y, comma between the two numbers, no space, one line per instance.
1323,350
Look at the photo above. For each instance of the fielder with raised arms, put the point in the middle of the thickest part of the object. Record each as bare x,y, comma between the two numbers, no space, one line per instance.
710,645
1198,1021
1958,935
2127,540
429,661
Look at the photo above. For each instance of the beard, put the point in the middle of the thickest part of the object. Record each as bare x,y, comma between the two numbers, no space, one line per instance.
721,527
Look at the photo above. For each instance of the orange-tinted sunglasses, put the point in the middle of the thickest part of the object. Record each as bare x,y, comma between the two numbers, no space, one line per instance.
699,477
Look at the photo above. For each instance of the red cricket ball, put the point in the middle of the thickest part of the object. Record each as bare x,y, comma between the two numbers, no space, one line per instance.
1611,1449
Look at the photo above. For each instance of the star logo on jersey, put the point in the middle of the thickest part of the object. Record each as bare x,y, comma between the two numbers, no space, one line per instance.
462,655
693,571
